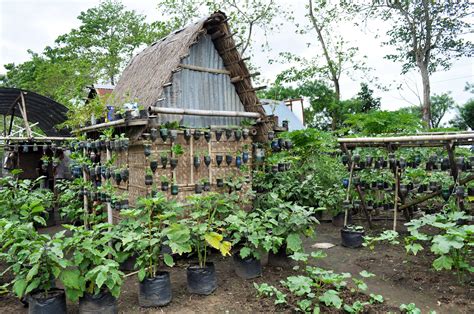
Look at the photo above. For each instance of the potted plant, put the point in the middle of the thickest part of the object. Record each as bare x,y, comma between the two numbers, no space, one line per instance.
271,135
164,159
207,158
147,149
153,134
228,134
117,176
218,135
352,236
96,279
164,183
176,151
174,188
203,224
196,160
220,182
187,134
36,261
197,134
153,165
207,135
155,221
206,185
173,135
228,159
148,177
238,134
249,238
198,188
45,162
245,154
219,159
124,173
238,160
164,133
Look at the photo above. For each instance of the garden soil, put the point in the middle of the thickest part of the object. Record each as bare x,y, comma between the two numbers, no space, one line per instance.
399,278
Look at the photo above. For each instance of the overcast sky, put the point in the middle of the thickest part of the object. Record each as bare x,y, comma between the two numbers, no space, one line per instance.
34,24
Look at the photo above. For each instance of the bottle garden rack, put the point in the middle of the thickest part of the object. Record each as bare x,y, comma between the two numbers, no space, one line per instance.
448,141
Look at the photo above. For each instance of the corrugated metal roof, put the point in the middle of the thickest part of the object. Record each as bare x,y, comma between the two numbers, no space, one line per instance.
279,109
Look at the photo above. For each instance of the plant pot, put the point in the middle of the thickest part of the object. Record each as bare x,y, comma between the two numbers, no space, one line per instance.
281,167
147,150
153,165
288,144
238,161
207,136
153,134
164,186
206,186
197,135
102,303
198,188
245,133
148,179
274,168
207,160
118,178
196,161
280,258
54,302
164,161
129,263
125,174
245,157
219,159
228,134
201,280
338,219
143,114
247,268
220,183
238,135
352,238
155,291
271,135
187,134
173,162
228,159
218,135
275,146
174,189
164,134
173,135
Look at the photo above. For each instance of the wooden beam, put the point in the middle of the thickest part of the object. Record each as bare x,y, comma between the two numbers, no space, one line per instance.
203,69
230,49
364,206
237,61
120,122
25,115
199,112
253,89
218,34
452,161
241,78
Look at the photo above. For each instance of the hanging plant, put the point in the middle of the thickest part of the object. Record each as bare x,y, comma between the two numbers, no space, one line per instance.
197,134
164,134
125,174
154,134
228,134
164,183
218,135
173,135
153,165
196,161
245,133
271,135
187,134
117,176
164,159
219,159
148,177
228,159
174,189
206,185
207,160
238,134
207,136
198,188
220,182
238,161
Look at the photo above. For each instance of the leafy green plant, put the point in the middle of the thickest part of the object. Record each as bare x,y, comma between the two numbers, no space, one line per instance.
204,223
177,150
389,236
249,232
95,268
149,226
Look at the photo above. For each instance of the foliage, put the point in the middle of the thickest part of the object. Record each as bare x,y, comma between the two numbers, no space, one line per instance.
22,200
245,17
94,260
70,205
148,227
316,287
451,243
465,116
35,259
204,223
379,122
249,232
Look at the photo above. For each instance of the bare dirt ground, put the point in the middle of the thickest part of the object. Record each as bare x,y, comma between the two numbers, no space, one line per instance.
399,278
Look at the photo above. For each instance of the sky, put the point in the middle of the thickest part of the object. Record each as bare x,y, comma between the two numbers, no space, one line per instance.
34,24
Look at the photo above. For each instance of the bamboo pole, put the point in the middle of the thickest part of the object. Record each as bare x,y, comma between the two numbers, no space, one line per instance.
364,207
200,112
191,155
346,214
110,219
86,204
397,182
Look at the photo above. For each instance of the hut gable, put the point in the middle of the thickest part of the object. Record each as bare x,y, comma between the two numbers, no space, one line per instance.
197,67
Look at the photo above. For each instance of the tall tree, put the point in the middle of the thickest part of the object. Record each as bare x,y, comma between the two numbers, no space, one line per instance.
108,36
465,116
367,101
426,35
246,17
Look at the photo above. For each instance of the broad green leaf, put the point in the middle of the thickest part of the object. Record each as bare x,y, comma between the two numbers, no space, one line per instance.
213,239
19,287
331,298
168,259
32,272
71,278
225,248
141,274
293,242
443,262
244,252
100,279
366,274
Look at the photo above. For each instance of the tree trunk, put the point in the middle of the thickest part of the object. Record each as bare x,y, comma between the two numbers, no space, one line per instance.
337,90
426,108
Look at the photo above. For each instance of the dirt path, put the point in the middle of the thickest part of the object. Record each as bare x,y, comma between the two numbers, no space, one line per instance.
400,278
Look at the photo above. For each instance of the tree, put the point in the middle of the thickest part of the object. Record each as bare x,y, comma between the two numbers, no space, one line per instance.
108,36
440,104
245,17
380,122
367,101
426,34
465,116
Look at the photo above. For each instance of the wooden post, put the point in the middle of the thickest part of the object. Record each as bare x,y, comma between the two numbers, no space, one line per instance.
364,207
86,203
348,192
452,161
110,219
209,151
397,182
191,152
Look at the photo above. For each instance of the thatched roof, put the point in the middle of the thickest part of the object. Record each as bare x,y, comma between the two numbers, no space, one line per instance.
144,77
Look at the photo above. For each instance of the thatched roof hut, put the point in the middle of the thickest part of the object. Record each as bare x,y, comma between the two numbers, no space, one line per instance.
198,67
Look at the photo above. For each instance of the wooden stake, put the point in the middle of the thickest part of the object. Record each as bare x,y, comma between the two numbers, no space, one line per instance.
347,193
397,182
364,207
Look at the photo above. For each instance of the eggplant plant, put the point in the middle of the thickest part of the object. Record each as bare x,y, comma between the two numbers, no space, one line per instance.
95,270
